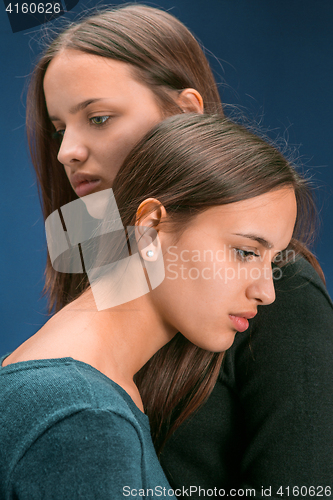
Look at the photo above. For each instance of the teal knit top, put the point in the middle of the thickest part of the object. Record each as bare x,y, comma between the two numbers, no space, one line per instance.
69,432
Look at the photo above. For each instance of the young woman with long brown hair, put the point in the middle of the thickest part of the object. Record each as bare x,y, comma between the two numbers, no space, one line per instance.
146,65
199,182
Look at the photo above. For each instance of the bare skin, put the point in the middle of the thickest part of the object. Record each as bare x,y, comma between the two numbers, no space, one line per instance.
101,114
118,341
113,111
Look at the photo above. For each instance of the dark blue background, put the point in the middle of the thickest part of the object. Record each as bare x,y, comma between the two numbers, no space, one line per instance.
274,60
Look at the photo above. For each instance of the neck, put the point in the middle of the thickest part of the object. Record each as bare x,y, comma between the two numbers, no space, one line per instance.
117,341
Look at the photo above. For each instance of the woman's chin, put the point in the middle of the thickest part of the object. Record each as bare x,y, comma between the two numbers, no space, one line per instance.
220,343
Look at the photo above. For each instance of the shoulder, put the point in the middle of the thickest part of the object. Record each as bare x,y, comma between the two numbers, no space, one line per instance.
302,303
60,385
300,278
280,373
39,397
292,334
92,453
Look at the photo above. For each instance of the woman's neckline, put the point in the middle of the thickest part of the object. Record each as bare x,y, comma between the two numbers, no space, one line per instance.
68,359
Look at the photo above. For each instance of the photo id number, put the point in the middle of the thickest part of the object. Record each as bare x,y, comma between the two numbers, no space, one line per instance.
305,491
34,8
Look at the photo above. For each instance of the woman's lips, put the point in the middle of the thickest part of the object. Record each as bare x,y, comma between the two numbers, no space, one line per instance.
240,324
86,187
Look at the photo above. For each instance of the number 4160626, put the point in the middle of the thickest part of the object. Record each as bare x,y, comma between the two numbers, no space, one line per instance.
34,8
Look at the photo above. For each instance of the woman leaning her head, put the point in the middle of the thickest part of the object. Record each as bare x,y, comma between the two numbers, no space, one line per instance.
100,86
209,169
200,183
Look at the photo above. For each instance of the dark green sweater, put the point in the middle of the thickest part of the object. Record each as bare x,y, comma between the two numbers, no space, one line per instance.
69,432
269,420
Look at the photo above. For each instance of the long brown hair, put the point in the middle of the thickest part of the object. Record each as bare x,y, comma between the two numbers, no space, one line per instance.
163,54
191,163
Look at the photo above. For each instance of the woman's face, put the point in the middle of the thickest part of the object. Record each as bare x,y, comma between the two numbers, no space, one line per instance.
219,271
100,112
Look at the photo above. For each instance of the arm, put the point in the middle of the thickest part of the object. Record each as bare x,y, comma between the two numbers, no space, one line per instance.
269,419
92,454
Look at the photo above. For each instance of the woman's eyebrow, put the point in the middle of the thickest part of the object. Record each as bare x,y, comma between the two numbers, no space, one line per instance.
82,105
78,107
259,239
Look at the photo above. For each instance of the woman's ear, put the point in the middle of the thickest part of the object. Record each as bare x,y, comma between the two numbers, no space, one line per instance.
190,101
148,219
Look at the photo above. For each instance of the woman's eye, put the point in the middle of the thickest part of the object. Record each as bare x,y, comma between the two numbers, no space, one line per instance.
279,257
245,255
99,120
58,135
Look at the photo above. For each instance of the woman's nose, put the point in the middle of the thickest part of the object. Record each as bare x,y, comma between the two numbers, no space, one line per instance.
262,286
72,149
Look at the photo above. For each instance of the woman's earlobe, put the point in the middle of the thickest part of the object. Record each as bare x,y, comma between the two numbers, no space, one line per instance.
150,251
190,101
149,215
